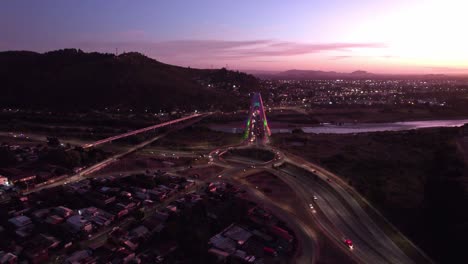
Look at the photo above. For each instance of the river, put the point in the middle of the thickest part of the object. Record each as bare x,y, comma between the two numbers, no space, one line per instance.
350,128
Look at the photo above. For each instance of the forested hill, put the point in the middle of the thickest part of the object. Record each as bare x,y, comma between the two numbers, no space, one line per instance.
72,79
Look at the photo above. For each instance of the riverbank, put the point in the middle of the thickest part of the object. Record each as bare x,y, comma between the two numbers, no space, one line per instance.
346,128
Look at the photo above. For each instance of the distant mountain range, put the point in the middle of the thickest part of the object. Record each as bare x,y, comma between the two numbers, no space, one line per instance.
327,75
73,79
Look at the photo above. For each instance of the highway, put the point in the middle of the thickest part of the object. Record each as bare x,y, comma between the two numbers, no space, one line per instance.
98,166
141,130
337,213
342,218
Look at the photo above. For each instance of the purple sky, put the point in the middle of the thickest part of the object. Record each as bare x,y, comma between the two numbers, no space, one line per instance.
394,36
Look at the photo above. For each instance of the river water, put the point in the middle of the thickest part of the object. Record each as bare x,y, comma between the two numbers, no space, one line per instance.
350,128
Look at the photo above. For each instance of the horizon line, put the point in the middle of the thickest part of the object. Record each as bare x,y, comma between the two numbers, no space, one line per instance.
251,71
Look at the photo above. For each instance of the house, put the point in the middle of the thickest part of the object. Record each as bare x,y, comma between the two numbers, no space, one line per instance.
82,256
62,211
17,176
188,184
20,221
230,242
54,219
140,232
40,213
173,208
237,233
97,216
217,187
142,195
80,187
79,224
3,180
109,190
130,206
157,195
223,243
123,256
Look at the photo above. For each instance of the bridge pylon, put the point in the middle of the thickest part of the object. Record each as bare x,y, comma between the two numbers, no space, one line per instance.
257,129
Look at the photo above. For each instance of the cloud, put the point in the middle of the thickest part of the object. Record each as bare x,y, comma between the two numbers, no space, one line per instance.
224,49
340,57
343,57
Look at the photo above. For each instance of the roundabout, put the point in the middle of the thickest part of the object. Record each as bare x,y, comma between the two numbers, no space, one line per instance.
325,213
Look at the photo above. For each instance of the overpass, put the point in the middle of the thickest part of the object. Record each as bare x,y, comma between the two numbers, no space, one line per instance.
138,131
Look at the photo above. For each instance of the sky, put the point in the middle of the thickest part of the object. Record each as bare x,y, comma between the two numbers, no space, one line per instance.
380,36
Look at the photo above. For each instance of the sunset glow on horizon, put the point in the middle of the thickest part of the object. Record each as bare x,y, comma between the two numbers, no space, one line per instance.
389,36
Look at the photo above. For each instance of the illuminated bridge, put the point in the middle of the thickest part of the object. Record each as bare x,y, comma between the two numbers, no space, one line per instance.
138,131
257,129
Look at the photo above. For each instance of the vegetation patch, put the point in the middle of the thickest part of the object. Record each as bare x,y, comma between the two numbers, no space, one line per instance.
417,179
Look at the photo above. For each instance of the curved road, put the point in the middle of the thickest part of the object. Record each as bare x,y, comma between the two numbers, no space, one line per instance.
337,213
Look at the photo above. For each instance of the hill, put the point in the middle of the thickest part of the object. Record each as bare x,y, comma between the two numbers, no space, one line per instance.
73,79
329,75
314,75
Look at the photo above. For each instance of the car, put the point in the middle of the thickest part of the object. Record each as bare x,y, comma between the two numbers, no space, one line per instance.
312,208
270,251
349,243
315,198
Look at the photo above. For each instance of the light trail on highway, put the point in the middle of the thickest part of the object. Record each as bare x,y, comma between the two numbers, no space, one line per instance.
340,221
98,166
138,131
